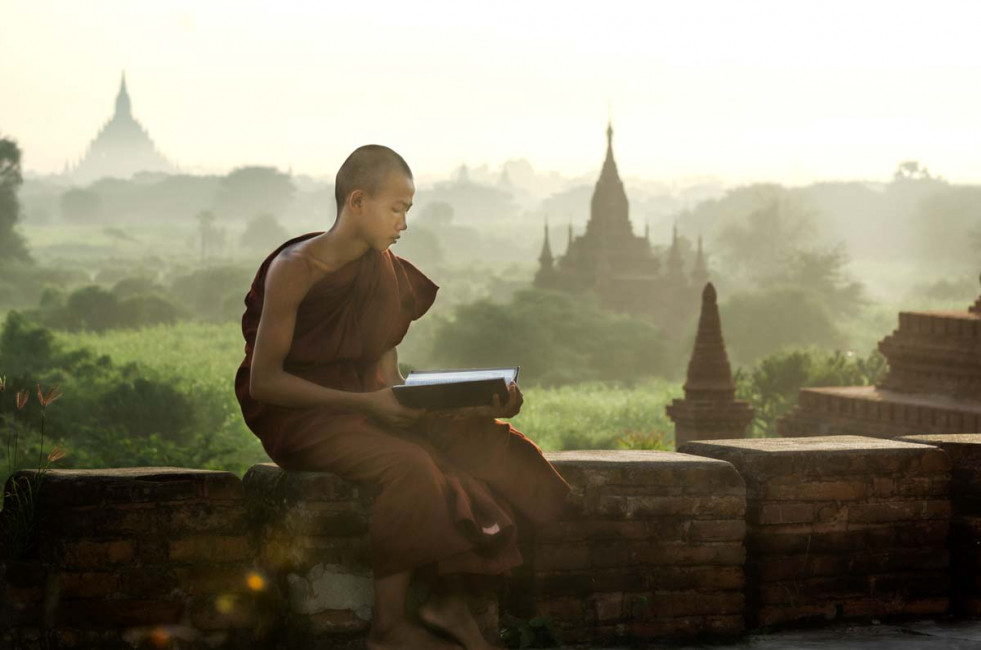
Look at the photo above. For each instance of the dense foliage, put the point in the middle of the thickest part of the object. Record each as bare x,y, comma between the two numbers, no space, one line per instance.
555,337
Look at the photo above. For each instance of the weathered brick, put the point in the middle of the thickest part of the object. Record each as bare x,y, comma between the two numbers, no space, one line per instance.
855,586
841,490
267,482
324,519
686,627
222,611
119,613
584,583
688,578
567,608
214,548
898,511
789,539
641,507
87,584
605,607
782,513
680,604
778,568
64,488
288,553
723,530
94,554
563,557
601,529
335,621
212,579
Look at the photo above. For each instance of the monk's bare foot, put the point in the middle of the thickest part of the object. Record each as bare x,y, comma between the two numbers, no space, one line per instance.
452,616
406,636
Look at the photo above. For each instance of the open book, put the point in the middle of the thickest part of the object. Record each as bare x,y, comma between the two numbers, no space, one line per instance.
445,389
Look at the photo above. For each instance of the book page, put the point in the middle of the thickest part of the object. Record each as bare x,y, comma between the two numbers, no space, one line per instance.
426,378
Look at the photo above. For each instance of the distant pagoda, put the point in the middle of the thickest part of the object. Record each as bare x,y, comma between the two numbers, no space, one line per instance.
619,266
710,410
121,148
933,384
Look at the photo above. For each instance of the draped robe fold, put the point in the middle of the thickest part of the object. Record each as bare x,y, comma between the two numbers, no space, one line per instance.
445,488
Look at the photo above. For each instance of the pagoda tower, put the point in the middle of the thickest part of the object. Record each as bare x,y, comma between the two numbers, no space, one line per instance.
675,266
709,410
545,278
609,245
700,273
121,148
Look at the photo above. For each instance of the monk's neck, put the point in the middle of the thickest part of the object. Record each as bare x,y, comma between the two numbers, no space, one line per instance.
337,247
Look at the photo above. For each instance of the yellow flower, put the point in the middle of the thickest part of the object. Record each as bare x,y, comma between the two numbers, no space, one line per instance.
56,454
22,397
3,383
47,398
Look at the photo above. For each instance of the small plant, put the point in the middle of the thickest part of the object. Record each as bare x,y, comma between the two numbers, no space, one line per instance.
18,505
527,633
656,440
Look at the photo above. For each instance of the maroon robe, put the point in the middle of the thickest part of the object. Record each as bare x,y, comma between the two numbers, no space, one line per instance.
443,484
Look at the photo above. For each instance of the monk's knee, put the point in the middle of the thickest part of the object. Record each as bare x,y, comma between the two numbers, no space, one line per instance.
416,466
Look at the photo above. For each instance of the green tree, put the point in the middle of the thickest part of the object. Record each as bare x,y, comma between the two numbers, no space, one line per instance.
821,271
756,242
82,206
12,246
254,190
262,234
759,323
555,337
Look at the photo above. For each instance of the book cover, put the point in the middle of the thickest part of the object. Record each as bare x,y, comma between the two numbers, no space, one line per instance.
447,389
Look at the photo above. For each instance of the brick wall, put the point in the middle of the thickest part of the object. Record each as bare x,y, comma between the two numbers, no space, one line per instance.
728,535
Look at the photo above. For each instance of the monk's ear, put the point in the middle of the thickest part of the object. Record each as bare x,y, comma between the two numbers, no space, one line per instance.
355,201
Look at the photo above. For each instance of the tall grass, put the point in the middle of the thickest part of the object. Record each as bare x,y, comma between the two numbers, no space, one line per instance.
202,358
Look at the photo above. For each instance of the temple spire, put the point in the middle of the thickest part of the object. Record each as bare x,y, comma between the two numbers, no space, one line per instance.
709,410
546,258
700,274
675,264
709,373
123,107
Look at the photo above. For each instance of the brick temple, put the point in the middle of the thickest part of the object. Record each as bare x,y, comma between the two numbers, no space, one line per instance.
933,385
621,267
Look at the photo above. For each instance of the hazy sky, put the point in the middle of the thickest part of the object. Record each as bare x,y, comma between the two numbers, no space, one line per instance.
784,91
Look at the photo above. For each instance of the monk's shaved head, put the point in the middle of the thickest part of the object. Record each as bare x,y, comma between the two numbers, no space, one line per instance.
366,169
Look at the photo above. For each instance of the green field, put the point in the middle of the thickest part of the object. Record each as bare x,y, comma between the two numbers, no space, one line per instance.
202,358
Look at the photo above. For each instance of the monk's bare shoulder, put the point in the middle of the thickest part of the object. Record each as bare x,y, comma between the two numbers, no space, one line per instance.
290,276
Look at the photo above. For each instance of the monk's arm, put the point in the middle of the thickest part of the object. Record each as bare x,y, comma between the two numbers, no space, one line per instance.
287,282
389,365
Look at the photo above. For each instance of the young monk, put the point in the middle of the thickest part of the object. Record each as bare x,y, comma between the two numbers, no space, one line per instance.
323,319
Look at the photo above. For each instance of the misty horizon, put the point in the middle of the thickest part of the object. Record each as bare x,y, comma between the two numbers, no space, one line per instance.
749,93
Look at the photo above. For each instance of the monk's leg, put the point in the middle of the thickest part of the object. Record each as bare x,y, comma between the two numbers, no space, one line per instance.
410,524
447,610
390,627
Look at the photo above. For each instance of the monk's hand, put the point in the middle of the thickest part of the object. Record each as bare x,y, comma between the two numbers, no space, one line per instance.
497,409
383,407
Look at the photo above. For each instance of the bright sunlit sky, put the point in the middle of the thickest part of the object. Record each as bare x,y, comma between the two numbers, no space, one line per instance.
740,91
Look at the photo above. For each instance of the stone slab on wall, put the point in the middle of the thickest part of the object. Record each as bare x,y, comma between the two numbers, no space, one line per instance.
876,412
312,530
841,526
133,555
650,546
964,450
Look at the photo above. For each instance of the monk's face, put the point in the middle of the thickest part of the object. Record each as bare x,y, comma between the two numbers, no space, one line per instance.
383,216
